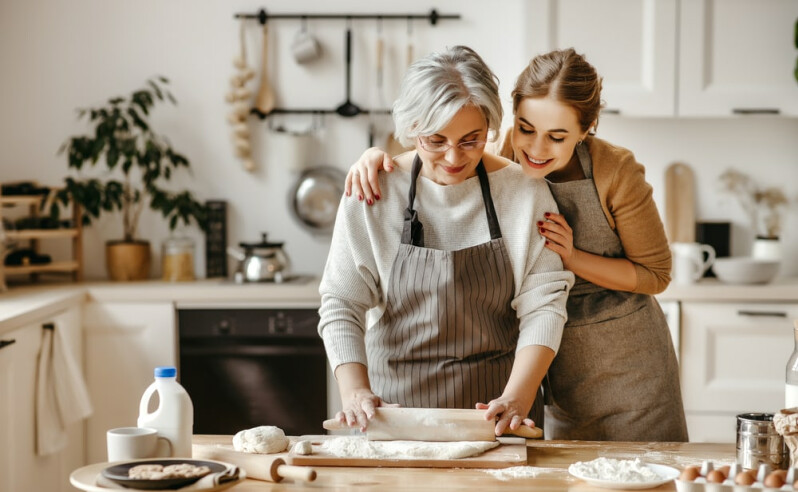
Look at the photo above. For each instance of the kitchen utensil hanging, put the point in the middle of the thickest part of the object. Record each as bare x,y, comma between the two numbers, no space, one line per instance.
238,97
314,199
265,106
348,109
264,101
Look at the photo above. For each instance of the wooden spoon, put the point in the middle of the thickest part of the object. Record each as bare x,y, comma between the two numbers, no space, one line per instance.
264,101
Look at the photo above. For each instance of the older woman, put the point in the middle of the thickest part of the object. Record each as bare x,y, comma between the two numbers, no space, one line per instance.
444,296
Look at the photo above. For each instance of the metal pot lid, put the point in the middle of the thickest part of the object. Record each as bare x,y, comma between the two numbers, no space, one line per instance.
315,197
262,244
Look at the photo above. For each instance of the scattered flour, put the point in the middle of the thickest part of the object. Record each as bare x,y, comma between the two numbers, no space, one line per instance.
505,474
629,471
360,447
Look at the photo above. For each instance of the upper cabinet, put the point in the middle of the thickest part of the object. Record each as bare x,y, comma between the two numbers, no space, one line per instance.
697,58
737,57
632,44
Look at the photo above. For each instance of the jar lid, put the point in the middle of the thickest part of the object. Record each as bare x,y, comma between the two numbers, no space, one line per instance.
263,244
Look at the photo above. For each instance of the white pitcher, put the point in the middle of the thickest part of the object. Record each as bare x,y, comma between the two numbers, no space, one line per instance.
691,261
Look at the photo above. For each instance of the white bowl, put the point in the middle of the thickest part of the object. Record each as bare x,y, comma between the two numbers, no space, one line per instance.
745,270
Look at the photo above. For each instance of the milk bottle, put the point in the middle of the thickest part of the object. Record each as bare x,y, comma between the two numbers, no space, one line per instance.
174,417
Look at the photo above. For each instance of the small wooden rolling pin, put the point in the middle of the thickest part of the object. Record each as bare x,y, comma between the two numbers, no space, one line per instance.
257,466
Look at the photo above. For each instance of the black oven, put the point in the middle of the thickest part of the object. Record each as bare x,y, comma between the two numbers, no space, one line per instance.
249,367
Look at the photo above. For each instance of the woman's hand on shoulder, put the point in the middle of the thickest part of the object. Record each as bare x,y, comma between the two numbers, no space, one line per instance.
362,179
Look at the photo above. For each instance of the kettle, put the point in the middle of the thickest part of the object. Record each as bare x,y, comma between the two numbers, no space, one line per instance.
261,262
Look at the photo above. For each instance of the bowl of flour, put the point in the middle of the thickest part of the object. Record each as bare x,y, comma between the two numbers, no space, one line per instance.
622,474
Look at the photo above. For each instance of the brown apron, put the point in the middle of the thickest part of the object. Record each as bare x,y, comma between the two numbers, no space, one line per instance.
448,336
615,377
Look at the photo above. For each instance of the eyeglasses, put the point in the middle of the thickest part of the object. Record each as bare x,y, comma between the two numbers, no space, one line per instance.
441,147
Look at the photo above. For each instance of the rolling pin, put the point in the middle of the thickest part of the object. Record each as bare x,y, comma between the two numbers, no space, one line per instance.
257,466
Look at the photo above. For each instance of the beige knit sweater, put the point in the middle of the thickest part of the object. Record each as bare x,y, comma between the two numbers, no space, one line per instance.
628,204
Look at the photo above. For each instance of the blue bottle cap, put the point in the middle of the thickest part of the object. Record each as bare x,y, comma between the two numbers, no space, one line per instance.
165,372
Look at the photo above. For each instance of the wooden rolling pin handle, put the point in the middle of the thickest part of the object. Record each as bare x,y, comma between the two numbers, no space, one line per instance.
525,431
332,424
302,473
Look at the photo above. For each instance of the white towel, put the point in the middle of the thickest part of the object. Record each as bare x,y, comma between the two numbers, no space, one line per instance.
61,394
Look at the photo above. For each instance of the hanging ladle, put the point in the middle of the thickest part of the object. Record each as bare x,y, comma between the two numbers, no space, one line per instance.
348,109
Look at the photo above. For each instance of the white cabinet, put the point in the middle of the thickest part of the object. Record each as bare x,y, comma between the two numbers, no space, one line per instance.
678,57
20,467
632,44
737,57
124,343
733,358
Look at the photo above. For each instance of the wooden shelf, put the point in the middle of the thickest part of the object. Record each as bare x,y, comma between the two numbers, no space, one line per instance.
54,267
42,233
21,200
32,204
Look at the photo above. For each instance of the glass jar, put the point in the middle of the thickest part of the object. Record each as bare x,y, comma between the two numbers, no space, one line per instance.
177,259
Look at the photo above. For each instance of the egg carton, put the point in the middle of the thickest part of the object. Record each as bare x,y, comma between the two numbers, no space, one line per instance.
701,484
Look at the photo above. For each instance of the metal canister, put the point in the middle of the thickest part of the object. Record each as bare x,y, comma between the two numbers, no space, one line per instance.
758,442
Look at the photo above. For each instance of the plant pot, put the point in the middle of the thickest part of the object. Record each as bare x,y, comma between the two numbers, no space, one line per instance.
767,248
128,260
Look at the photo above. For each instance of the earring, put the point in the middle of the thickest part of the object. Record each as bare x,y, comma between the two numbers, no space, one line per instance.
578,142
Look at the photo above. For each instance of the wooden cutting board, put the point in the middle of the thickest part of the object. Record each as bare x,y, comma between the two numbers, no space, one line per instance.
511,452
680,203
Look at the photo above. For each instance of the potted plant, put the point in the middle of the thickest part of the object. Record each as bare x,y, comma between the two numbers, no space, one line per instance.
137,163
764,207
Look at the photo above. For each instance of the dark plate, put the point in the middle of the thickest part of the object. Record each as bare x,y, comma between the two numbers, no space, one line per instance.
119,474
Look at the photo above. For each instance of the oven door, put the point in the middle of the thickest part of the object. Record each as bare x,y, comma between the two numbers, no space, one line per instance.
249,367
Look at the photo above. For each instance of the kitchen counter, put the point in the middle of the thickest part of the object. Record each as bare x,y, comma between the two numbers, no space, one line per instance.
22,303
549,459
713,290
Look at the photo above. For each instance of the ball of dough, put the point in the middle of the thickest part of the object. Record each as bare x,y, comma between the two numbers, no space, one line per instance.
262,440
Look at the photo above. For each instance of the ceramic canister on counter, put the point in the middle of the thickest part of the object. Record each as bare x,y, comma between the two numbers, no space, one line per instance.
717,235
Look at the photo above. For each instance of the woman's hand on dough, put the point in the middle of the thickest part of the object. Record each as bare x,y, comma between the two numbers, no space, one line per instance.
559,236
359,407
362,178
507,413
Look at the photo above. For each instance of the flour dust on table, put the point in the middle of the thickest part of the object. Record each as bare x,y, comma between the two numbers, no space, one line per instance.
360,447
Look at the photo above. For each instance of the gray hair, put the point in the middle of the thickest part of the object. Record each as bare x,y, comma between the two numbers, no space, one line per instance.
439,85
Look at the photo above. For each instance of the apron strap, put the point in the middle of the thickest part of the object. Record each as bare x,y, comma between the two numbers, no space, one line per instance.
490,211
413,229
585,160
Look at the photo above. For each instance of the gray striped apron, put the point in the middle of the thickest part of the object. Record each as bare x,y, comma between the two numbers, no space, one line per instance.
448,336
615,377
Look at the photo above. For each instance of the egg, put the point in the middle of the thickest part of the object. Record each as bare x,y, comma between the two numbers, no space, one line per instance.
715,476
689,474
725,470
774,480
744,478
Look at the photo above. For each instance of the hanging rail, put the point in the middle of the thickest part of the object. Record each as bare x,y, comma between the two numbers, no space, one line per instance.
433,16
262,16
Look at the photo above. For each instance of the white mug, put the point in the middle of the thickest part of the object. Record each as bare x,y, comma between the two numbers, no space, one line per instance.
305,47
691,261
132,443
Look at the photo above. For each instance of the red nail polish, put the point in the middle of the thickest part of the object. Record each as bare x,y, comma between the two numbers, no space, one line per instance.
377,197
540,223
546,214
541,231
546,242
369,201
360,197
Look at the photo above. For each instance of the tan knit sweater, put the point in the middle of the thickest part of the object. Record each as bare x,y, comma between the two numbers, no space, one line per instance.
627,201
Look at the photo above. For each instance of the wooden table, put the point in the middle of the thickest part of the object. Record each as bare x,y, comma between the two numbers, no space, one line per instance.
550,460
